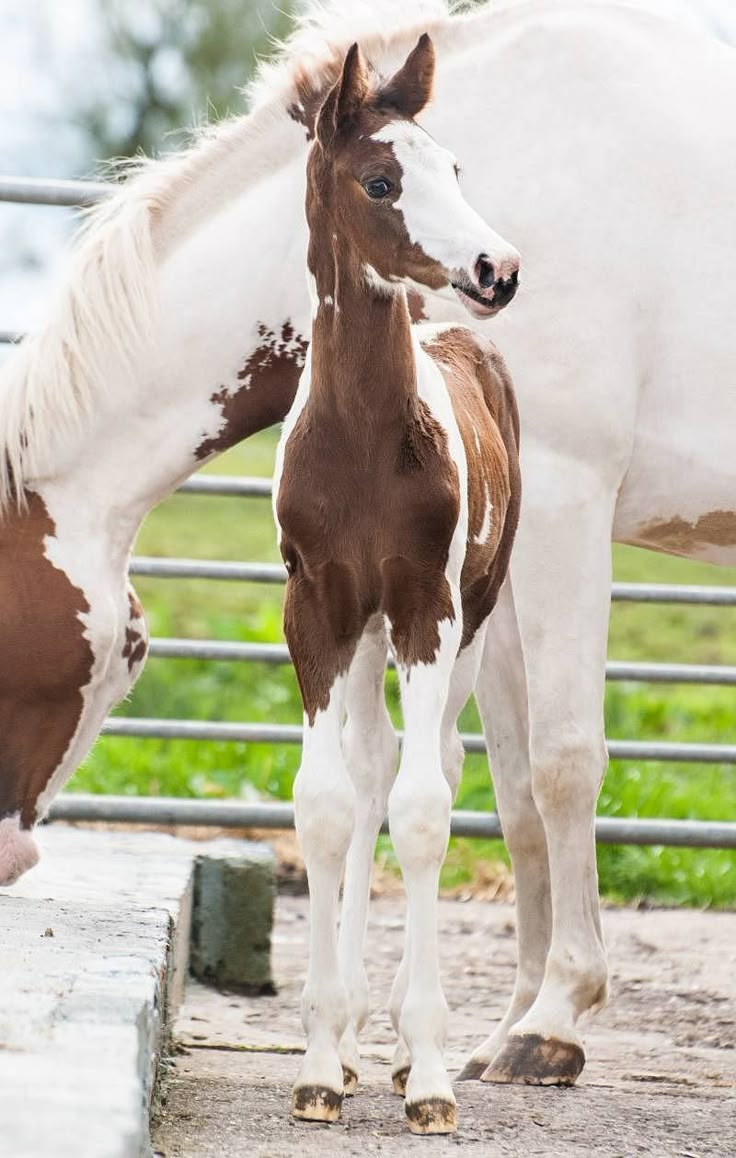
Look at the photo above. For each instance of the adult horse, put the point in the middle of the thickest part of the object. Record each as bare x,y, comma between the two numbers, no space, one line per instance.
181,331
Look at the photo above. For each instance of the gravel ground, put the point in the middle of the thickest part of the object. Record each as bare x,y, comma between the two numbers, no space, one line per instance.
660,1078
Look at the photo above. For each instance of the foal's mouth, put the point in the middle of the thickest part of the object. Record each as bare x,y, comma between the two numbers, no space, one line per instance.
484,305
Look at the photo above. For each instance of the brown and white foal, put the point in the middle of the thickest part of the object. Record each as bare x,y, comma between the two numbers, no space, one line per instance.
397,498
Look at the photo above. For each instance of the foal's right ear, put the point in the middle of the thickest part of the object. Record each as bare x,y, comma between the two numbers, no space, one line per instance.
345,98
410,89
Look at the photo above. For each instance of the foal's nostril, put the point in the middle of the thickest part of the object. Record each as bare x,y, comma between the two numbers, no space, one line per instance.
505,290
485,272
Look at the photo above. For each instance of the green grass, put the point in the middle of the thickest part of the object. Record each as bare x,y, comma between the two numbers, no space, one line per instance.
243,530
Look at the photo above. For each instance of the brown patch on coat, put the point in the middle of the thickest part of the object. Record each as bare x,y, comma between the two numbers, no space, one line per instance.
677,536
135,647
484,404
416,306
46,660
267,384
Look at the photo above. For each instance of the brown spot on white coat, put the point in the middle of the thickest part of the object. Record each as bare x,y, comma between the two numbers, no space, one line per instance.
266,384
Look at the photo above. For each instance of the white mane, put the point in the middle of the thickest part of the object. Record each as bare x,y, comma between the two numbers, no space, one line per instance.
106,310
325,30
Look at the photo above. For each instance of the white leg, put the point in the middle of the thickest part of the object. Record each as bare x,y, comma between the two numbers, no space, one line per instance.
370,747
462,682
324,805
562,608
500,693
419,819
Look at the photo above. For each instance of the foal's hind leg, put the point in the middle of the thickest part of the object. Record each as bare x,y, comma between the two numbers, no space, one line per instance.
462,682
370,747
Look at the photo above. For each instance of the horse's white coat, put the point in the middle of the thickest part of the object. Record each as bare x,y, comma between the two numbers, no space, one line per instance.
619,193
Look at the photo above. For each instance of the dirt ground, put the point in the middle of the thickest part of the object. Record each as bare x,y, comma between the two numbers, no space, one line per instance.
660,1078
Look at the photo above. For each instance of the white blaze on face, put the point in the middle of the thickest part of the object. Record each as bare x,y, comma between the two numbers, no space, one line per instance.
436,215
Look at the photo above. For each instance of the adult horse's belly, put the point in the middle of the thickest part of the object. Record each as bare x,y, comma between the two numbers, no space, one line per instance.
679,494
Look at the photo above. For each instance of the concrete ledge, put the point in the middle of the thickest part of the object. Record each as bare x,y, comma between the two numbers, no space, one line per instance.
94,950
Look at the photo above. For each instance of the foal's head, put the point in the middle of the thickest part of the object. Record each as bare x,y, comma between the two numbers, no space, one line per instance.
380,184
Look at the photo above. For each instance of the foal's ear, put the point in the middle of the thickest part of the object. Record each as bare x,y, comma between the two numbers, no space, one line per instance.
410,88
345,99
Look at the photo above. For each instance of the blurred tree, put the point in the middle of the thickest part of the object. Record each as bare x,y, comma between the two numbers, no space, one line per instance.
165,64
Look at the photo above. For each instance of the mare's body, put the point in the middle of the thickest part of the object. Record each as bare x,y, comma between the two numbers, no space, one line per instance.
184,327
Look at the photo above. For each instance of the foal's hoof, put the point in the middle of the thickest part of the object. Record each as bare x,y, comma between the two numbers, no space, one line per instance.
399,1079
432,1116
532,1060
349,1081
472,1071
316,1104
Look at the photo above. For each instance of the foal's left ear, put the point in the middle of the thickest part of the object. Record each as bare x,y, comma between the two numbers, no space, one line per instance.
410,88
345,99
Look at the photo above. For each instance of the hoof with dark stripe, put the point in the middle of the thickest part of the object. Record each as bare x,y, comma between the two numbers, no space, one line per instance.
349,1081
532,1060
316,1104
399,1079
472,1071
432,1116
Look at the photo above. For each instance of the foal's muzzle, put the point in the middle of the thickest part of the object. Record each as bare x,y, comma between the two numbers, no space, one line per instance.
488,289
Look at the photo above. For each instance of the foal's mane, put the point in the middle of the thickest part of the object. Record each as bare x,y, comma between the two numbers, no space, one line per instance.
105,313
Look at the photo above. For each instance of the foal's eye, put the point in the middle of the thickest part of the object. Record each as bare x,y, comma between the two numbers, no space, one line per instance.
458,170
377,188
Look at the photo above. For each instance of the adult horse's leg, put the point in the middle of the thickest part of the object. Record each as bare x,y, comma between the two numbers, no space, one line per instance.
462,682
501,696
561,576
370,747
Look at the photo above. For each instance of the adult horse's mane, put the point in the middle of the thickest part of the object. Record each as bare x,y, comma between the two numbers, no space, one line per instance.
105,311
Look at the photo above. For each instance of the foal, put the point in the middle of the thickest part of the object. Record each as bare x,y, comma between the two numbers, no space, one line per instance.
397,499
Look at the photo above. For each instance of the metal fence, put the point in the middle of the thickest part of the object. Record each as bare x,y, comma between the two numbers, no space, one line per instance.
273,815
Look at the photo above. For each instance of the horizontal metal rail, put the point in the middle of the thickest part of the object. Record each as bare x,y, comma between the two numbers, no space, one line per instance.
236,486
673,593
236,814
248,733
42,191
206,569
278,653
161,568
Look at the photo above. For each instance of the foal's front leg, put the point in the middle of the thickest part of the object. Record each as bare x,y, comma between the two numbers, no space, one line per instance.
323,809
370,747
419,819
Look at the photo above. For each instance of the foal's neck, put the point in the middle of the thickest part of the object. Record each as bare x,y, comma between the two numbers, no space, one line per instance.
362,352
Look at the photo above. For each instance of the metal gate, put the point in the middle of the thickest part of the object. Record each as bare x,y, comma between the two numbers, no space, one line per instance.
277,815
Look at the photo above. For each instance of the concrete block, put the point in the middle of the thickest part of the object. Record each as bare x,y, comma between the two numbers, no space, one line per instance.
232,918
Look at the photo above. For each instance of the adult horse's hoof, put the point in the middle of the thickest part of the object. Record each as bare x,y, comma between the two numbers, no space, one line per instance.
399,1080
532,1060
472,1071
432,1116
316,1104
349,1081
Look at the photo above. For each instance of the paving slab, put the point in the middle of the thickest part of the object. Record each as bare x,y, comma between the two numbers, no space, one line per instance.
660,1078
94,951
